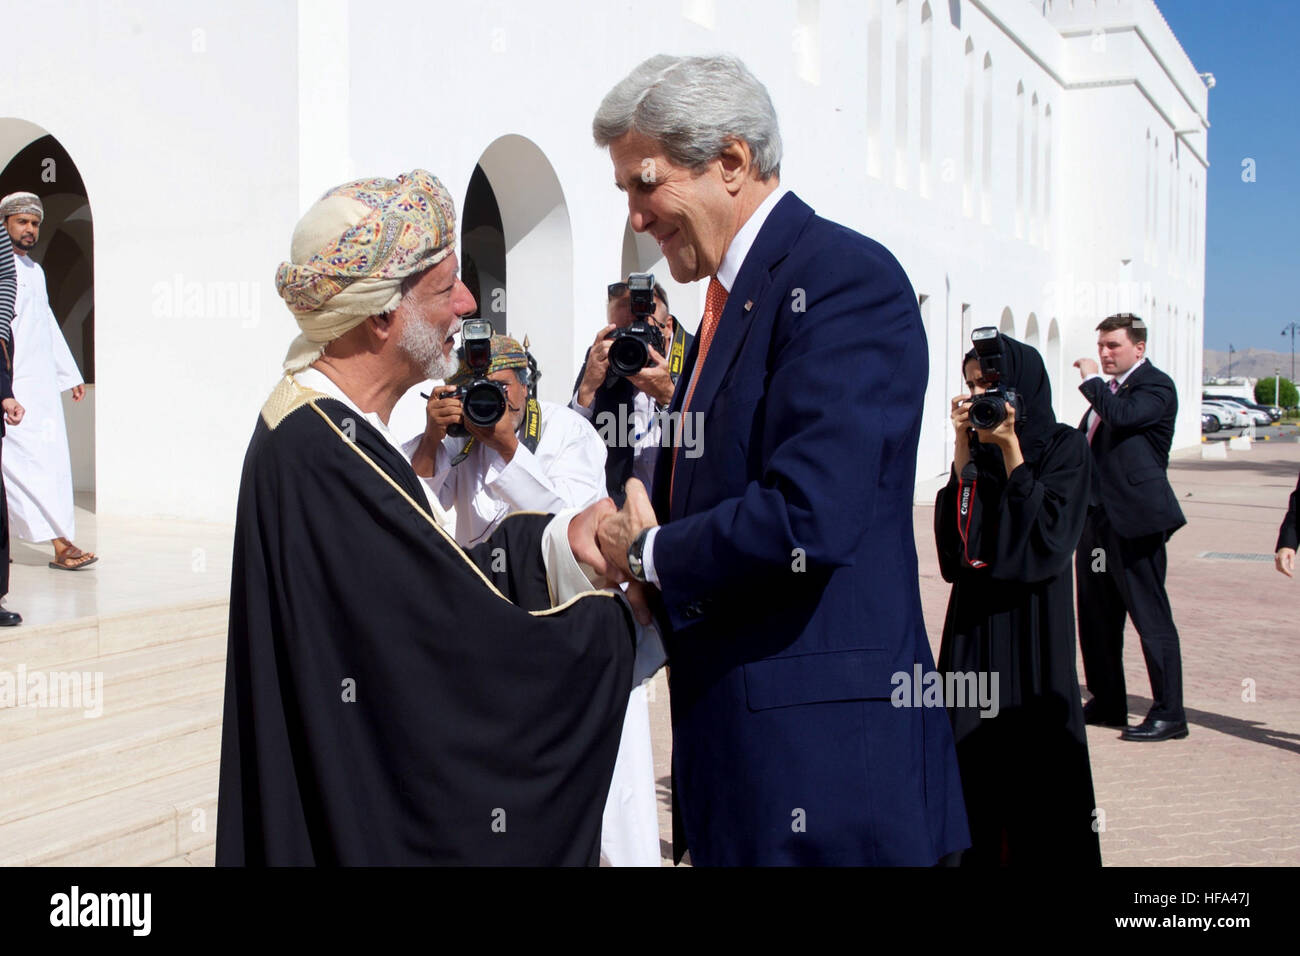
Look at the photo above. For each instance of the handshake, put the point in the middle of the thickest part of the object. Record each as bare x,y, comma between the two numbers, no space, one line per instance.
600,535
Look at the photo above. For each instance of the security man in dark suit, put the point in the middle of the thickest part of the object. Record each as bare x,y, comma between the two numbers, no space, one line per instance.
1121,562
612,403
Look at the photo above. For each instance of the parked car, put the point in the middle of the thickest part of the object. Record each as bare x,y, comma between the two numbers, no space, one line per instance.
1223,416
1234,416
1209,422
1272,411
1257,415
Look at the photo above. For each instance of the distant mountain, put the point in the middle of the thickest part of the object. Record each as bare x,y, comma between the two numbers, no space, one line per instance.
1249,363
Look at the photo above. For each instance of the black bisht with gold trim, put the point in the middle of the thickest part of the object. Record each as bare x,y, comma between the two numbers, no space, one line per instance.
390,698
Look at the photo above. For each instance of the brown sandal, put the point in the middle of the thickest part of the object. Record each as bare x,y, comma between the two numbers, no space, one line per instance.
73,559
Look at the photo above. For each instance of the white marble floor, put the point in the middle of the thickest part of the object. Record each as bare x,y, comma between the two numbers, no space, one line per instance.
143,563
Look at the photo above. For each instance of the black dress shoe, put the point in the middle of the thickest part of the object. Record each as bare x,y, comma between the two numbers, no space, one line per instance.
9,618
1156,730
1094,715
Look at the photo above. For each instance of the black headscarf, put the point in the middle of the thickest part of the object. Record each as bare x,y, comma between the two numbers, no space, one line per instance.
1023,371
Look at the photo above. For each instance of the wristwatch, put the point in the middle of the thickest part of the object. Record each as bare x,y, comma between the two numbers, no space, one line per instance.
634,553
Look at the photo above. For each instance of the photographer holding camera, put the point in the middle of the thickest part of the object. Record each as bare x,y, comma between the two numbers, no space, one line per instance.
1006,526
524,455
615,392
536,456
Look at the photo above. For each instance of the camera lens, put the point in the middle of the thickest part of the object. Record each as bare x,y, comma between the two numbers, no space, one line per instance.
987,411
628,355
484,404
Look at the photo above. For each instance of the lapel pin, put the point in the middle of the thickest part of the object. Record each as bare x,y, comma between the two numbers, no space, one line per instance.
749,304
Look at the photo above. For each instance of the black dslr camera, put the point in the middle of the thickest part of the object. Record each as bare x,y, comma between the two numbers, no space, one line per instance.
990,409
483,400
631,349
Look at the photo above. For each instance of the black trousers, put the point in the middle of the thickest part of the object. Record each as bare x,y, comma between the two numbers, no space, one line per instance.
1116,577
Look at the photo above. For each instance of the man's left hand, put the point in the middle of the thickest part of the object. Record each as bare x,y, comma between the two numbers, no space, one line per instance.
583,528
618,531
1086,367
654,379
78,392
501,437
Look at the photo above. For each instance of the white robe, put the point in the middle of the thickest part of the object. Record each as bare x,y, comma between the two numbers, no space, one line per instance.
566,471
37,468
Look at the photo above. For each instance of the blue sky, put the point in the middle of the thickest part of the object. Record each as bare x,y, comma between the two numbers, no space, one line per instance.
1252,250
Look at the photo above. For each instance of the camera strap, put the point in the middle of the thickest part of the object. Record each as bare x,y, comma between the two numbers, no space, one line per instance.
532,428
464,452
533,411
966,504
677,354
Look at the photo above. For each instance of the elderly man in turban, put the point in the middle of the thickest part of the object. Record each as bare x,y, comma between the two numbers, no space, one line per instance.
390,697
541,456
37,468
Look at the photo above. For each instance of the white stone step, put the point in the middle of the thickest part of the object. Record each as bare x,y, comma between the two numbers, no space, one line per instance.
46,771
51,645
170,818
182,670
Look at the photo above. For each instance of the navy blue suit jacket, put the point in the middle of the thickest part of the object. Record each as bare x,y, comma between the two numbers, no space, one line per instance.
788,569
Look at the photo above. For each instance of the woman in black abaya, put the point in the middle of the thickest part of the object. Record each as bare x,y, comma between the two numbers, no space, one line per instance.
1008,555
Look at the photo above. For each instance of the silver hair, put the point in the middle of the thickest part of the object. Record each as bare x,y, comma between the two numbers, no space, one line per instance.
693,106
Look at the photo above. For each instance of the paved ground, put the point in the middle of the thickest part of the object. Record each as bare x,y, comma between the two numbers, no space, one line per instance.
1230,793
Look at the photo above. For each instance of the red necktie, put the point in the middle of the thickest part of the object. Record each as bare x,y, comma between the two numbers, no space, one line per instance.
715,300
1096,419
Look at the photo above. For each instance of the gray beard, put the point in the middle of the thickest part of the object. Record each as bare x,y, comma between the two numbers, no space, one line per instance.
423,343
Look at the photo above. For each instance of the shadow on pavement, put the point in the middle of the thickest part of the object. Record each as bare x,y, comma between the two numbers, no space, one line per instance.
1252,731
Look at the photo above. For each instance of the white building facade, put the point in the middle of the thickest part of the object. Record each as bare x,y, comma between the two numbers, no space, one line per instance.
1034,166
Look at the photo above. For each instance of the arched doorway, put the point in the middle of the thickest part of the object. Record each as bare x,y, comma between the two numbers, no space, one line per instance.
32,160
1008,324
483,251
1031,331
1052,358
536,278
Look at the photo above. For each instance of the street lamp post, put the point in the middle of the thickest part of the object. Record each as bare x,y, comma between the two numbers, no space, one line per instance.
1231,352
1292,327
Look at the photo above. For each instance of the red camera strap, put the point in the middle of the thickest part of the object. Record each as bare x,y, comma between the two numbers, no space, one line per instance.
965,501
